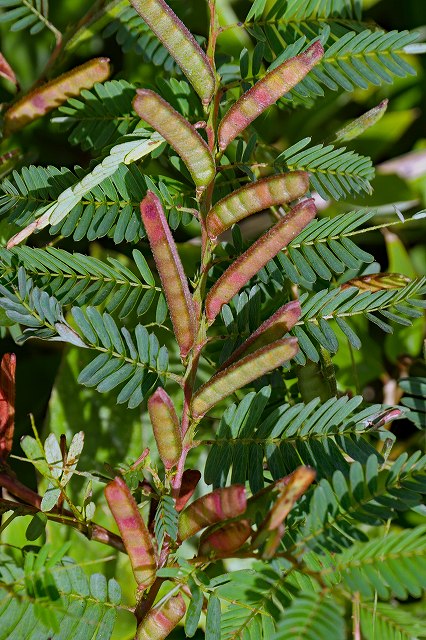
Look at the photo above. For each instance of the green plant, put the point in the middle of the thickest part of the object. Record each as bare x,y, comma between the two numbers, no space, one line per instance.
229,354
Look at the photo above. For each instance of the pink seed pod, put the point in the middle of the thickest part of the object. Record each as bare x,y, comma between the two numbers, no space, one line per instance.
54,93
133,530
160,621
249,199
165,425
7,404
266,92
274,328
214,507
180,43
260,252
170,269
223,540
253,366
179,133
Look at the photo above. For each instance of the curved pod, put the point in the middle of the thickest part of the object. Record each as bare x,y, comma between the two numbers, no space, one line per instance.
260,252
165,425
214,507
266,92
179,133
180,43
274,328
170,269
136,538
253,366
265,193
54,93
160,621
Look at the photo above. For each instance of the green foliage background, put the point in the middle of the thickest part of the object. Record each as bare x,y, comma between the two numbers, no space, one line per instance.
47,372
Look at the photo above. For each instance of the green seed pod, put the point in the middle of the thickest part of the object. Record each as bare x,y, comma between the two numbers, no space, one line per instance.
266,92
179,133
224,539
160,621
217,506
180,43
261,251
274,328
54,93
253,366
265,193
133,530
170,269
165,425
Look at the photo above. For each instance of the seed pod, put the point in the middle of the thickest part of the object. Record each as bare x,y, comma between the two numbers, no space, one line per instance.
261,251
378,282
274,328
7,403
266,92
160,621
179,133
190,479
54,93
165,425
224,539
216,506
6,70
255,197
361,124
224,383
170,269
290,490
133,530
180,43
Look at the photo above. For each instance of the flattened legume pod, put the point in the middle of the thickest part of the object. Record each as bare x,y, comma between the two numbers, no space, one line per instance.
54,93
260,252
170,269
214,507
133,530
180,43
274,328
160,621
255,197
179,133
224,383
266,92
165,425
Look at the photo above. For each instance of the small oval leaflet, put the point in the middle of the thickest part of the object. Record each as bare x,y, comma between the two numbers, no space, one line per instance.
266,92
179,133
165,425
180,43
253,366
249,199
170,269
133,530
260,252
54,93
